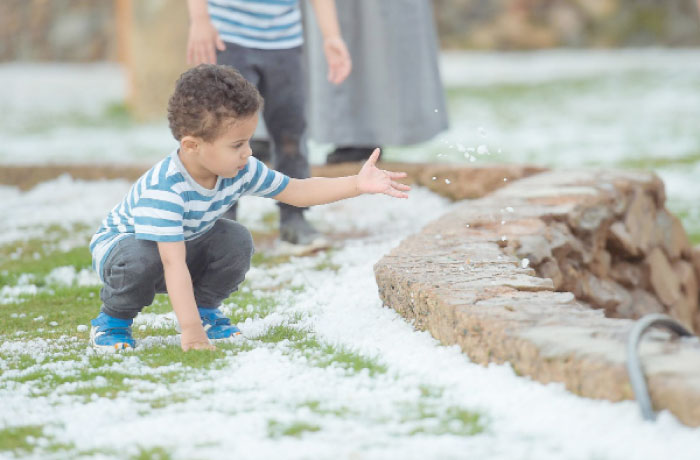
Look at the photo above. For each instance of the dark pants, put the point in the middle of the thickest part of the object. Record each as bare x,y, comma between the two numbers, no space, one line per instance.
217,261
279,76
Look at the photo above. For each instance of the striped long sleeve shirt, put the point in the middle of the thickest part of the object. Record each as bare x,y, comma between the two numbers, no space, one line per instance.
166,204
261,24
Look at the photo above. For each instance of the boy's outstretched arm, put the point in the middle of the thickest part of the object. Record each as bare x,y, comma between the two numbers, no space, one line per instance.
203,39
179,284
321,190
337,55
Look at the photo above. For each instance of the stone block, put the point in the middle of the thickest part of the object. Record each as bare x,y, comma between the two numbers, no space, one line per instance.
590,218
604,293
671,236
631,275
550,269
620,240
663,278
695,259
641,303
640,221
600,266
686,309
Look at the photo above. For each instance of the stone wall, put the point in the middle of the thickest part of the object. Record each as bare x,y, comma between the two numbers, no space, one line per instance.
532,24
468,278
85,30
57,30
618,248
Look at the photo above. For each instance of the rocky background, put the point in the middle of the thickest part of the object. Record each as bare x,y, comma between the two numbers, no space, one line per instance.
58,30
529,24
86,30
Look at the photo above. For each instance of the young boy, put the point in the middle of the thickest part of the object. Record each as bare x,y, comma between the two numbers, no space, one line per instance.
167,236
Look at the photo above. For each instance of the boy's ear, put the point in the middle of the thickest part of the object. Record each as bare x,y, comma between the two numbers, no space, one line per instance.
189,144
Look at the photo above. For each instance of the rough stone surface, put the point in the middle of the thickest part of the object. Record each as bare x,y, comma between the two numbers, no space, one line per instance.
663,279
695,256
484,277
535,24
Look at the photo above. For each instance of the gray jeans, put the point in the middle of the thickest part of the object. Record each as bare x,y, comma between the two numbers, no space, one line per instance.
279,76
217,261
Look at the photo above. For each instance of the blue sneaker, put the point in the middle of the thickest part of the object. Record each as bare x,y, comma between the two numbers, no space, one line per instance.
111,334
216,324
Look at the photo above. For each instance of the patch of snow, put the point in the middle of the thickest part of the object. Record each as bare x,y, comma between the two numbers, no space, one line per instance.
69,276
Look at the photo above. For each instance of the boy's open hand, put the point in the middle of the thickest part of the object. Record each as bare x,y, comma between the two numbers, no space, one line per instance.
371,179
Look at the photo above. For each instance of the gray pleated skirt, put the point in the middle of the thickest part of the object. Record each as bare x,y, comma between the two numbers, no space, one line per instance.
394,95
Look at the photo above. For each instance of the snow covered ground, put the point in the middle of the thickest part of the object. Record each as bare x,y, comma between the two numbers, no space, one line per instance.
294,398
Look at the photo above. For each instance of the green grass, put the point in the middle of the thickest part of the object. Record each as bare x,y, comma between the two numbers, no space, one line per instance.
263,259
349,360
454,420
22,440
296,429
152,453
18,362
39,257
318,407
282,332
651,163
113,115
326,263
15,439
325,355
513,94
55,312
246,304
161,356
67,307
97,375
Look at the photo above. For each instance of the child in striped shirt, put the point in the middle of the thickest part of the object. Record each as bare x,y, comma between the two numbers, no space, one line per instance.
167,234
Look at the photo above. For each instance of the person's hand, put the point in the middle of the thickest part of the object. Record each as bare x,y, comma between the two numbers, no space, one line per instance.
202,43
371,179
338,57
195,338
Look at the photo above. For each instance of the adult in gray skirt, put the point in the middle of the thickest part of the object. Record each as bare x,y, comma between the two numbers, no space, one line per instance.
394,95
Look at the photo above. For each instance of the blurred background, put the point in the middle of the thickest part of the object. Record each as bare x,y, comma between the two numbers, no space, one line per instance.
559,83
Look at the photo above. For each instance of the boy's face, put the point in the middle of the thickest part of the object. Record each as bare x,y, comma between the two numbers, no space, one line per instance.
227,154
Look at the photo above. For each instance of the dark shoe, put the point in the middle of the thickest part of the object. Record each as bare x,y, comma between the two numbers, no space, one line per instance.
262,149
349,154
295,229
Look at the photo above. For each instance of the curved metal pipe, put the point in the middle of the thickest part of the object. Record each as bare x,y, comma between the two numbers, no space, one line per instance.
634,366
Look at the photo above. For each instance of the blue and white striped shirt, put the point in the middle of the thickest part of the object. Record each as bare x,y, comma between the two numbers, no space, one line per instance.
166,204
262,24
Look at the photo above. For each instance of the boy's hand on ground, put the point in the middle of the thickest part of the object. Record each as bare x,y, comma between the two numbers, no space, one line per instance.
371,179
338,57
202,43
195,339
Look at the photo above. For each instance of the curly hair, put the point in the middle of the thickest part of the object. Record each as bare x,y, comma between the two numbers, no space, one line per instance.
208,98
